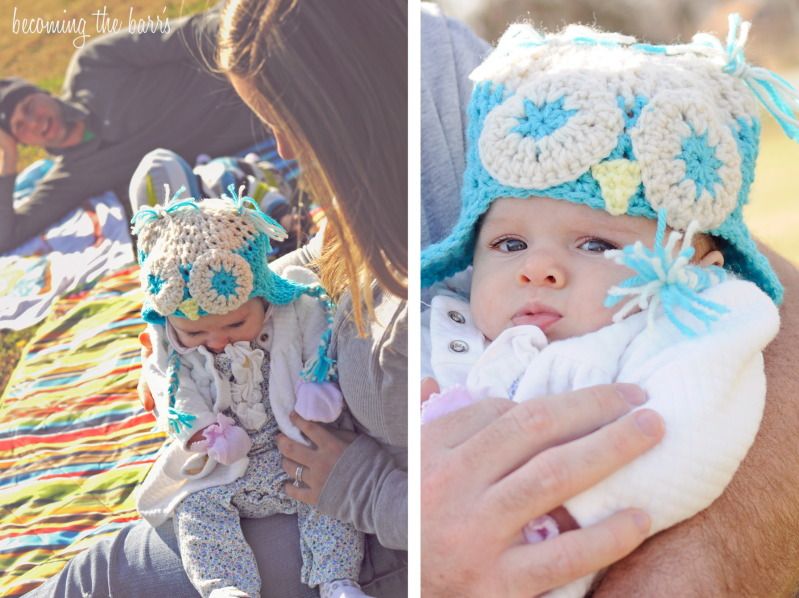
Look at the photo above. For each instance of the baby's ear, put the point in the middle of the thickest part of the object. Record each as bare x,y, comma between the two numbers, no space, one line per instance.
712,258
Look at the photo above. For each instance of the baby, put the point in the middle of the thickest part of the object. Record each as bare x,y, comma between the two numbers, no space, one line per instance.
233,344
590,157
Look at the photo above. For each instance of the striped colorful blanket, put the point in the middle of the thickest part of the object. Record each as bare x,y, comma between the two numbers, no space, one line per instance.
74,439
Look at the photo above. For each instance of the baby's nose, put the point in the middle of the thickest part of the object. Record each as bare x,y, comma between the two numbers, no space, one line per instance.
217,343
543,268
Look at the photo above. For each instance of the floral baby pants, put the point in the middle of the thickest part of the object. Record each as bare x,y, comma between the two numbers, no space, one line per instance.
212,545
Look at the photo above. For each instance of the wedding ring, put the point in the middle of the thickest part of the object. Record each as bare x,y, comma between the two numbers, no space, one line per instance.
297,477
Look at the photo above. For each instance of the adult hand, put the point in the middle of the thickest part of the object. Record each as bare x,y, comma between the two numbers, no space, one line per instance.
8,154
492,467
317,460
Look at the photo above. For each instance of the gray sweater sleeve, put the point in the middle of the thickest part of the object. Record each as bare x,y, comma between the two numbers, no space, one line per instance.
368,486
62,190
7,212
368,490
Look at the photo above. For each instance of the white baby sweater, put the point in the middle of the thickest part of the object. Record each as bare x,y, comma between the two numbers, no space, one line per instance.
290,335
710,390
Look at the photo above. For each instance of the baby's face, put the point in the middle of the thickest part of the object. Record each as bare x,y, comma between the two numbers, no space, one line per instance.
215,332
541,261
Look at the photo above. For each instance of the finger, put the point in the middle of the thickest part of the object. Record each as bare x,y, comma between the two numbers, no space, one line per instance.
145,396
557,474
429,386
308,482
555,562
455,428
317,433
147,399
534,426
296,451
290,467
146,343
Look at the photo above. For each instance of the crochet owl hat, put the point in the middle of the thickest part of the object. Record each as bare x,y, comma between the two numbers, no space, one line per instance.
598,119
209,257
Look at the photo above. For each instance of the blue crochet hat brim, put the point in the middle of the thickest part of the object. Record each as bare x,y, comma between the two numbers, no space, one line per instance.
447,257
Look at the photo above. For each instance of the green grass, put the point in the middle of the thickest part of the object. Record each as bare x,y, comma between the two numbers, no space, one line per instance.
11,345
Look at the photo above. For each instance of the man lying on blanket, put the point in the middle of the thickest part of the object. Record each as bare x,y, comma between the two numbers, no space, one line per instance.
123,95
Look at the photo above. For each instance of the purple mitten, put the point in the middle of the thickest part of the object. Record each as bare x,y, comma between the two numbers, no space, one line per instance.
318,401
440,404
227,442
540,529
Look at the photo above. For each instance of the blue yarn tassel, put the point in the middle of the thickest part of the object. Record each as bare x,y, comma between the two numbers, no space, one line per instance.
179,419
266,224
148,214
776,95
323,367
665,280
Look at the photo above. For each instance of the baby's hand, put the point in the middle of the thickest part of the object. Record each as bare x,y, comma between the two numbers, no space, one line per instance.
224,441
318,401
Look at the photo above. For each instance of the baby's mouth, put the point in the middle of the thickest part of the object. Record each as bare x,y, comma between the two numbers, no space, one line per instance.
543,317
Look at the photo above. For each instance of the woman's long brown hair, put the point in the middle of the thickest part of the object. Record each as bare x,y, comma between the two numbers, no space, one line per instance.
332,75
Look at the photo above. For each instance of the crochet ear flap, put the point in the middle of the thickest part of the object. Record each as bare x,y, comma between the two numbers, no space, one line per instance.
690,164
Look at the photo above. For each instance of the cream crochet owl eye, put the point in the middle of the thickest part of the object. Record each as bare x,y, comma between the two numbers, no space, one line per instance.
689,160
162,283
551,131
220,281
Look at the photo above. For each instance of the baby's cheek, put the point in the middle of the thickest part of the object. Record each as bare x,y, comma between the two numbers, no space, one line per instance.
486,316
188,341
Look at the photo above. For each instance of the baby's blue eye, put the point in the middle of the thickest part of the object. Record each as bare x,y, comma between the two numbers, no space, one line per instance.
509,245
596,245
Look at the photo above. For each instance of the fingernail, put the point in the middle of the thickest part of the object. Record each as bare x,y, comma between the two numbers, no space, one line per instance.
632,393
649,422
642,521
